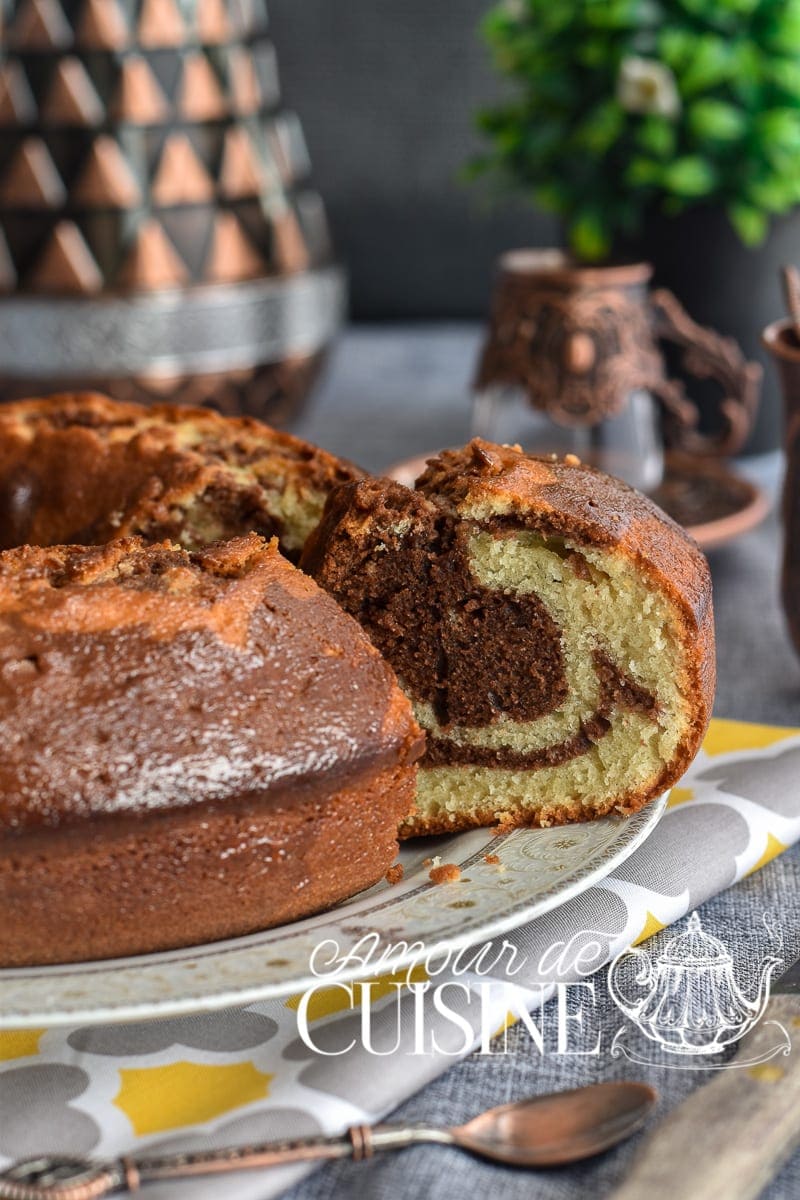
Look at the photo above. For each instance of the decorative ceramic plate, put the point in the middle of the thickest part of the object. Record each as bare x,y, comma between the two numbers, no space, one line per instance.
539,869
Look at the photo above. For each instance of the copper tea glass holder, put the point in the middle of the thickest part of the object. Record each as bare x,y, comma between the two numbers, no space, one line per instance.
573,362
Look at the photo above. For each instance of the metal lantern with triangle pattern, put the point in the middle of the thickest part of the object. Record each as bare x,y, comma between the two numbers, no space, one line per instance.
158,239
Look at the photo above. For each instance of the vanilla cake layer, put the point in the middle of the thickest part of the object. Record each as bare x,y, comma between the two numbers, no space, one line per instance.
551,626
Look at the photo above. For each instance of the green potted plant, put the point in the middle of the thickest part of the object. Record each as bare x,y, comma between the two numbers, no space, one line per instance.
666,129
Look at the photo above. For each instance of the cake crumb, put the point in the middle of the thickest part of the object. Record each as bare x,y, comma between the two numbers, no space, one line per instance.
491,859
446,873
572,460
432,862
394,874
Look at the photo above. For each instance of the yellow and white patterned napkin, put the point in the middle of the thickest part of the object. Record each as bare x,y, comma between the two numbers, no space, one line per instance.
246,1074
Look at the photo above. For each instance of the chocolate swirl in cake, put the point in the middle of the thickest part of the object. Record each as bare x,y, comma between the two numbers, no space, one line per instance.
549,624
448,631
437,624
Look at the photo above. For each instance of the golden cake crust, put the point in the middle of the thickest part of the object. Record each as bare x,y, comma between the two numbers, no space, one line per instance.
567,497
187,739
162,881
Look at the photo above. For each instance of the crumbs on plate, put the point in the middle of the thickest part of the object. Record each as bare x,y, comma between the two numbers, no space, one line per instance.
446,873
394,874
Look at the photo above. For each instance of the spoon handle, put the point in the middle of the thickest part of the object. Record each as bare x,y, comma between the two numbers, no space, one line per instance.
358,1142
241,1158
53,1178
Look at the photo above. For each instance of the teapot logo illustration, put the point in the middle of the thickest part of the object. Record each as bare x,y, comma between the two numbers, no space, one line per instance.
688,1001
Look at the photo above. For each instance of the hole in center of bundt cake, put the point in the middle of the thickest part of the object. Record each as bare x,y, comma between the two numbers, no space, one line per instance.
19,495
81,469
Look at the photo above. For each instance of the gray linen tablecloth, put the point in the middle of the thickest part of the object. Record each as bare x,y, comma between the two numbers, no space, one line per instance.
392,392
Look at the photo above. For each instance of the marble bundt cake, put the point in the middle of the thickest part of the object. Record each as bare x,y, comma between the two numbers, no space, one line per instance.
195,746
552,627
83,468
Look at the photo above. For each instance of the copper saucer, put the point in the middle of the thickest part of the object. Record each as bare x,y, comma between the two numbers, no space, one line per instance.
712,502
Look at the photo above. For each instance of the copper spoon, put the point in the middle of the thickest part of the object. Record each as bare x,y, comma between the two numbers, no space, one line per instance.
546,1131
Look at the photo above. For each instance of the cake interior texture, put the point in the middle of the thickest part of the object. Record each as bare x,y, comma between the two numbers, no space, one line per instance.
84,469
195,746
552,628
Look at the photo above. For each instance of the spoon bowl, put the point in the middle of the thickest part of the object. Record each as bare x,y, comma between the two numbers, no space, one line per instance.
563,1127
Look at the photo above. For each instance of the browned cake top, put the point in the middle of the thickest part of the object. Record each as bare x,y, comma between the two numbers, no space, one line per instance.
84,468
136,677
556,497
567,498
91,410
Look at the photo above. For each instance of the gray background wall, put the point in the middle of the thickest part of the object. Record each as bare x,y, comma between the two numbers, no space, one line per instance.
386,91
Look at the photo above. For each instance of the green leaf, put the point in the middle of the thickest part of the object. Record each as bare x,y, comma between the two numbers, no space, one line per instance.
676,47
689,176
643,172
551,197
750,224
656,135
609,14
740,7
785,29
498,24
722,14
593,52
588,237
747,57
784,73
716,121
711,63
697,7
780,127
773,194
601,128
